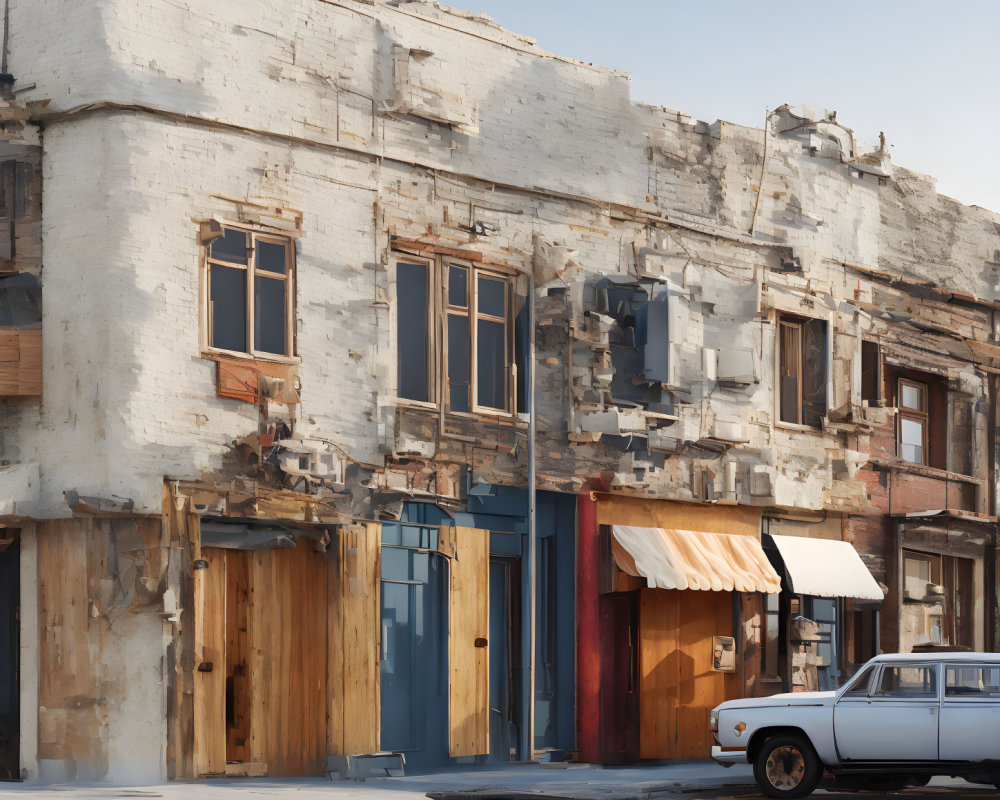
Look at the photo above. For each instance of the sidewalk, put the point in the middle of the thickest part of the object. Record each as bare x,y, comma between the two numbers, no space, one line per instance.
577,781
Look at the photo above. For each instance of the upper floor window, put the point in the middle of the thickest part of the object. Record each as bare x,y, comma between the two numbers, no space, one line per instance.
802,371
912,422
251,293
460,351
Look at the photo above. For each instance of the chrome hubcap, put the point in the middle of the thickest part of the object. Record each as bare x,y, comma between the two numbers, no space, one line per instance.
785,767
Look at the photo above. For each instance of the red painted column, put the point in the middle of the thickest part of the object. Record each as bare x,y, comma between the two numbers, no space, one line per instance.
588,634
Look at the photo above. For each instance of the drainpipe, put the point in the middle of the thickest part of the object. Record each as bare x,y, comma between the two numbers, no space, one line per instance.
528,630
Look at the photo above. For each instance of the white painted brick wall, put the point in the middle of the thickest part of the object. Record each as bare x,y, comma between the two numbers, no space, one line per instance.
127,397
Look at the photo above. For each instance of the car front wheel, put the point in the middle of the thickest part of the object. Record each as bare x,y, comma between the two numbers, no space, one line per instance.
787,766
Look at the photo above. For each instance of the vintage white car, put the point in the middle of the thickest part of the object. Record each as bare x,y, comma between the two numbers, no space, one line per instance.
902,719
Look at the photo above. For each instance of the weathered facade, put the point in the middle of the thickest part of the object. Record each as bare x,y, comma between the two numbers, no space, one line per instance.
313,273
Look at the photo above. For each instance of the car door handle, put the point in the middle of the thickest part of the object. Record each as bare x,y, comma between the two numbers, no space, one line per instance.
933,710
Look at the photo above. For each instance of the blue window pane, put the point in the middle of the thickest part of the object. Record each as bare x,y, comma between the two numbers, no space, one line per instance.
412,335
491,363
458,287
231,247
492,297
229,308
269,316
271,257
395,564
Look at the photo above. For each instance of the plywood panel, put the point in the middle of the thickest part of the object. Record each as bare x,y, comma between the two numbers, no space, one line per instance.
355,636
677,685
658,673
288,667
740,520
69,719
101,643
210,664
469,614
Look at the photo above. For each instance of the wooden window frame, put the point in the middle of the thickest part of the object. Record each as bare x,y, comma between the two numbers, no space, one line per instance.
784,324
913,415
439,310
792,322
251,270
508,356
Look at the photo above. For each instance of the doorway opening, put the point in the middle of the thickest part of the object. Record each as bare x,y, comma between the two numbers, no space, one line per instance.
10,685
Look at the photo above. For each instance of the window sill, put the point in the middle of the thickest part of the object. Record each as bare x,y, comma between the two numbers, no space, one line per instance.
211,354
899,465
477,416
795,428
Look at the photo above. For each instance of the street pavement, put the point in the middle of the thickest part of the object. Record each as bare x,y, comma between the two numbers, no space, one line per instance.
700,781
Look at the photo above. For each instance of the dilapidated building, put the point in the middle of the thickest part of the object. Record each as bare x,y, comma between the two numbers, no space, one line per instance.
381,387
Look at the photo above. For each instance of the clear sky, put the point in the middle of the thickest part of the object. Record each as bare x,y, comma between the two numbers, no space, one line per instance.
926,73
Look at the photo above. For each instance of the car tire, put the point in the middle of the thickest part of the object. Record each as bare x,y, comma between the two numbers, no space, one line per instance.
786,766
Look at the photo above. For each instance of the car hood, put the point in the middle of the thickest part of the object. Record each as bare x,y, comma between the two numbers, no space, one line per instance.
787,699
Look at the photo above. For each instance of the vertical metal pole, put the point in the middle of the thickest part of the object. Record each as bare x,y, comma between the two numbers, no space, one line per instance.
528,629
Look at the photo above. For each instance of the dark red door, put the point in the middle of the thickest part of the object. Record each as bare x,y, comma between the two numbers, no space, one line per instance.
619,679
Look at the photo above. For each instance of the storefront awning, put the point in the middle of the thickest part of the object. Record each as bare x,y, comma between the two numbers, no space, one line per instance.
826,568
675,559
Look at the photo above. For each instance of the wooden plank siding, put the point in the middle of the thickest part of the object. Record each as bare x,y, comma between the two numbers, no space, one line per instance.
468,653
101,592
288,652
677,685
210,664
354,640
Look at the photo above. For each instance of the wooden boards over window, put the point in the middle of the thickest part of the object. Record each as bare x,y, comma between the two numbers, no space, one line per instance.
468,646
353,696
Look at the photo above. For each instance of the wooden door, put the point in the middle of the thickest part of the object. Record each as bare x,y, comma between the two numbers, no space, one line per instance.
677,685
260,688
619,739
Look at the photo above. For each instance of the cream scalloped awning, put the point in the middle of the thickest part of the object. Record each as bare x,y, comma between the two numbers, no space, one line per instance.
674,559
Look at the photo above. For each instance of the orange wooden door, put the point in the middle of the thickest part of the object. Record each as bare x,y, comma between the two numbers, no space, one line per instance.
677,685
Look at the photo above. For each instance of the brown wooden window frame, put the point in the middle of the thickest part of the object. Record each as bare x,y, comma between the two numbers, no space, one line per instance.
440,311
920,417
959,611
250,294
791,334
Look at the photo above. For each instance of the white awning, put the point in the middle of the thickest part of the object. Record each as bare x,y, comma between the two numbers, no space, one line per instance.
826,568
673,559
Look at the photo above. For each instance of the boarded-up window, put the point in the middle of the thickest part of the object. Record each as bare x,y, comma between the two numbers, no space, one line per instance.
802,371
251,294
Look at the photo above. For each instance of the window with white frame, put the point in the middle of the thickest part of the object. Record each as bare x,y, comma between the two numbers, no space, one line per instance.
454,335
250,293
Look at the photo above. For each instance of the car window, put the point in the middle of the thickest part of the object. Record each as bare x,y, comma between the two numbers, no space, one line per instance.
899,681
859,688
972,681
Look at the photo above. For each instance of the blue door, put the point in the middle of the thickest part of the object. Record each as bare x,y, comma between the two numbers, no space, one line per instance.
414,659
10,595
503,706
